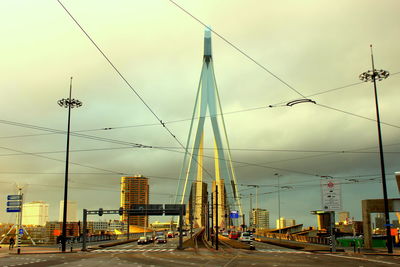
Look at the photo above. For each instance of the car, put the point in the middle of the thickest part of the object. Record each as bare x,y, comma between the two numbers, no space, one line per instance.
143,240
170,234
225,233
245,237
184,233
233,235
161,239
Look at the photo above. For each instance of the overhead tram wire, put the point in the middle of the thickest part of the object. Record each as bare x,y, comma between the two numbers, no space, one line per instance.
132,88
175,151
183,120
328,152
140,145
60,160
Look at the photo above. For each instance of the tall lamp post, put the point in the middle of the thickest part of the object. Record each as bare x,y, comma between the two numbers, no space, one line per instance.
67,103
372,76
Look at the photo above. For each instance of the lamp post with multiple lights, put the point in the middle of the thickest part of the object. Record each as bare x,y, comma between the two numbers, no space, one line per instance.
372,76
67,103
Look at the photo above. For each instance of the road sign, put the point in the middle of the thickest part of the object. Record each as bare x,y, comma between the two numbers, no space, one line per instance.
234,214
21,231
14,197
331,195
14,209
14,203
175,209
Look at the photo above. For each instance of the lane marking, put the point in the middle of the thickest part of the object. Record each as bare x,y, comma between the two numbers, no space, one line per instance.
364,259
231,260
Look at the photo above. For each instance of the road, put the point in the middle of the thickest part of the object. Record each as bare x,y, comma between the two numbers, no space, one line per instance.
152,255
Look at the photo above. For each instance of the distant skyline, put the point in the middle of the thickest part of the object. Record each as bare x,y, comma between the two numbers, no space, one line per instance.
319,48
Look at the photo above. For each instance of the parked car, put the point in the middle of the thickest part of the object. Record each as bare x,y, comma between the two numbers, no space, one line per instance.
233,235
143,240
161,239
225,233
245,237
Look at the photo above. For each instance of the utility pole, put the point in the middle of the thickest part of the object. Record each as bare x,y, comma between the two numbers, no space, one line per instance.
19,222
216,216
212,220
279,205
84,236
251,212
127,233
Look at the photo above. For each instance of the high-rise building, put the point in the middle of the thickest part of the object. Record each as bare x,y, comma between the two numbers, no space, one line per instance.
35,213
197,207
282,222
260,218
222,209
72,211
290,222
134,190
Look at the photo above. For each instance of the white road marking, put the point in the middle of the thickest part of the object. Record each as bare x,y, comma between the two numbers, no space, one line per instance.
231,260
364,259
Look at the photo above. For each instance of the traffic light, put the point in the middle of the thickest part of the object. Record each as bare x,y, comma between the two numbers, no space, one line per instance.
100,212
121,211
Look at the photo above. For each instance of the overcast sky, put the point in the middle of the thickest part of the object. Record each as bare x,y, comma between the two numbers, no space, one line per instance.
312,45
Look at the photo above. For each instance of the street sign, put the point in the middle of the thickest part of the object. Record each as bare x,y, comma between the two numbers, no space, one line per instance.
14,209
21,231
234,214
14,197
14,203
155,209
331,194
175,209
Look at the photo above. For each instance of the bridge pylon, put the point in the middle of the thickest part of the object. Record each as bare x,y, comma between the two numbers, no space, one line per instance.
192,188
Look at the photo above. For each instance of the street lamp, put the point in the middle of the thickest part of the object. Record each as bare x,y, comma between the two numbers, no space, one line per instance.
372,76
67,103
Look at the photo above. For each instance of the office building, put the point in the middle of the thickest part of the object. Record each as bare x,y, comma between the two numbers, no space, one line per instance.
35,213
222,210
72,211
260,218
197,207
282,222
134,190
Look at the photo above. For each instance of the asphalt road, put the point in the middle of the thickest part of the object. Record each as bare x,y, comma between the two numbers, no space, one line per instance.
152,255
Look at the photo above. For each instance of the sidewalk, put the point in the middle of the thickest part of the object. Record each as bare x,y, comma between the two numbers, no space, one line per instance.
32,250
325,249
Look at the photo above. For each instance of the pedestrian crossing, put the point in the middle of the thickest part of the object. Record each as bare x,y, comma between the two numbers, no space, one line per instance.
283,251
126,250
